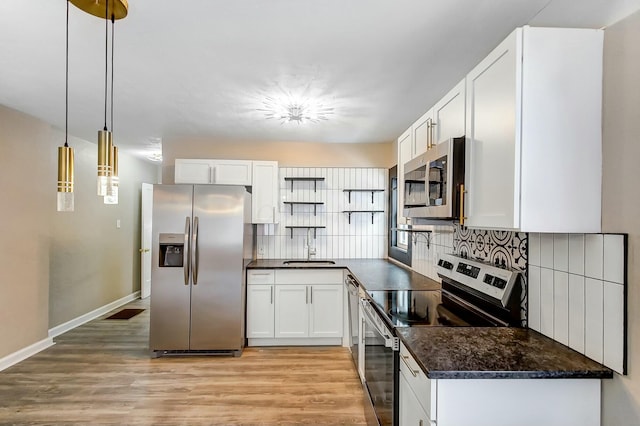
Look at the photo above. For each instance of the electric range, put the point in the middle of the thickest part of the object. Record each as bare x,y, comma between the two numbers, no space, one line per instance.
473,293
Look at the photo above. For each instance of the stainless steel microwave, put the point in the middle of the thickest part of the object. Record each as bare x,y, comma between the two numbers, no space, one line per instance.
434,182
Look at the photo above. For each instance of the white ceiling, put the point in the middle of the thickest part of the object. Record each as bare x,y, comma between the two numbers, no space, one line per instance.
204,67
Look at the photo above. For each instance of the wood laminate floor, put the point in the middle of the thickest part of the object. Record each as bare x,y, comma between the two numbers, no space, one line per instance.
102,373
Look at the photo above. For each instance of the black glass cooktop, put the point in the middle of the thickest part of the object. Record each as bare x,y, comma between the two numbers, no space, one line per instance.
406,308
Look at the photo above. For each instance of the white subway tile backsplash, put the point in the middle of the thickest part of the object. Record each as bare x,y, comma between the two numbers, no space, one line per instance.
594,319
546,302
534,249
613,267
334,241
576,293
561,307
576,254
561,252
534,297
546,250
614,326
576,312
593,255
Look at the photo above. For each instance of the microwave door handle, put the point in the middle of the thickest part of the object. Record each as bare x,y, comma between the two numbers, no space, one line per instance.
186,258
195,251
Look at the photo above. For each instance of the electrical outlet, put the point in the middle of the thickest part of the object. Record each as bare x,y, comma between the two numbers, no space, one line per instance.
118,224
260,251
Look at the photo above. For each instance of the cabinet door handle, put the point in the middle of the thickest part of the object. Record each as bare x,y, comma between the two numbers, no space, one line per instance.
306,295
430,126
462,192
272,295
311,295
214,174
413,372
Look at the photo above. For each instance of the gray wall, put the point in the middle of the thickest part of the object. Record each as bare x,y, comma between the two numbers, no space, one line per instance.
58,266
621,197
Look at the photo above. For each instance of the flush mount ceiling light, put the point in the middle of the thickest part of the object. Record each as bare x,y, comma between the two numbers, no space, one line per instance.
289,110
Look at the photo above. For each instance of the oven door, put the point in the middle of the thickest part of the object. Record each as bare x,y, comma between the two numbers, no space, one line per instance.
380,364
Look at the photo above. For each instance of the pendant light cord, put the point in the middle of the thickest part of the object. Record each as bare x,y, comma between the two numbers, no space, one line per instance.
106,59
66,84
113,26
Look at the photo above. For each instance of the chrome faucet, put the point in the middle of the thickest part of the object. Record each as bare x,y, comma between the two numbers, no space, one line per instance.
311,250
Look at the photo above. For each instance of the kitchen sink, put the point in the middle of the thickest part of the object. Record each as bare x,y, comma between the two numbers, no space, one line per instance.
308,262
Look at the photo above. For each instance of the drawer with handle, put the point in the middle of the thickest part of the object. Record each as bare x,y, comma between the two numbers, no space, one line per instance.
423,387
260,276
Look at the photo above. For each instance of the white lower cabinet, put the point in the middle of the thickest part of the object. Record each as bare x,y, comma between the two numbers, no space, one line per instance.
325,310
494,402
292,311
417,393
260,302
411,411
304,308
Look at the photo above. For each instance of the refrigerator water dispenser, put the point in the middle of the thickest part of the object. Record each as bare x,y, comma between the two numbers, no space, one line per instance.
171,250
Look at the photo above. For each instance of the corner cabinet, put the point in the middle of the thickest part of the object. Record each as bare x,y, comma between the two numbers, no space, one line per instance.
304,308
533,151
264,200
217,172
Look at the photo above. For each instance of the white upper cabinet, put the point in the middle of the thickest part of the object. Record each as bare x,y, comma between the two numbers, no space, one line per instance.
264,201
444,121
533,127
422,134
219,172
448,115
405,153
192,171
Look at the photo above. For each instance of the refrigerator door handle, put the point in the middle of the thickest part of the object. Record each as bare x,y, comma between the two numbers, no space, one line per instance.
186,262
195,267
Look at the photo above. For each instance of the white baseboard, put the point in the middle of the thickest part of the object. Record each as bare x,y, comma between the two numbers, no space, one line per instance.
89,316
295,341
24,353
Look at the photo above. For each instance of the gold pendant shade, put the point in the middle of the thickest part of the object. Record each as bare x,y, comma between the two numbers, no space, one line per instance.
117,8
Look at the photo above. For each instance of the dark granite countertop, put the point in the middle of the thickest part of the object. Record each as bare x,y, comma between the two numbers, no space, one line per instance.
372,274
495,353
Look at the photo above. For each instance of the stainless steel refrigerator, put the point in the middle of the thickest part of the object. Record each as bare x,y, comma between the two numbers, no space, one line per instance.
202,240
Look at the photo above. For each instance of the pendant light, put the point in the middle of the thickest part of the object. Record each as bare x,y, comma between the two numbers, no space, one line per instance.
106,9
113,181
105,141
65,200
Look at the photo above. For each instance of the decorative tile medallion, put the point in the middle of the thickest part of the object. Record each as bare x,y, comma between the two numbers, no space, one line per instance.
505,248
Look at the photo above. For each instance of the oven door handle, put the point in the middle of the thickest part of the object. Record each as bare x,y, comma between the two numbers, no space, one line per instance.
351,286
370,316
